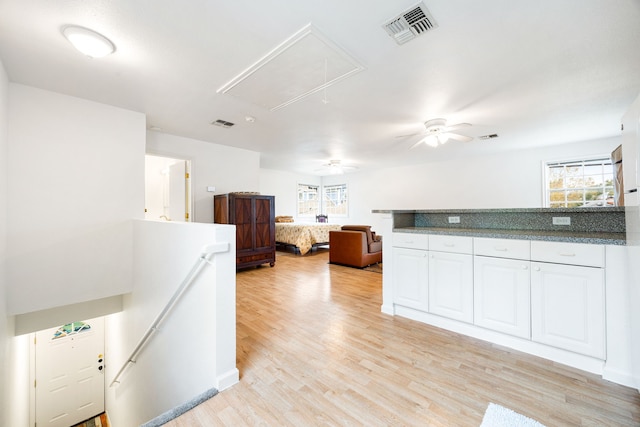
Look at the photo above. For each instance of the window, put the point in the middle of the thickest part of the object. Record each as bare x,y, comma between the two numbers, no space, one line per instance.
579,183
335,200
308,200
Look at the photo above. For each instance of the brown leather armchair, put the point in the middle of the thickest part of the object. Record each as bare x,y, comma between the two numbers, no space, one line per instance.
355,245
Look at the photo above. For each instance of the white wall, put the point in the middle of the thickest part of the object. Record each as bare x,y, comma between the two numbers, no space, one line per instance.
78,169
631,150
5,334
284,186
227,169
507,180
194,349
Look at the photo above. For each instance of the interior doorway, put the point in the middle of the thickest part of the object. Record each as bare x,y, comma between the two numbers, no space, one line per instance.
167,195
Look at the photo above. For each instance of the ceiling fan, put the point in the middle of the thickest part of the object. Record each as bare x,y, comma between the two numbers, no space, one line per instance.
335,167
437,133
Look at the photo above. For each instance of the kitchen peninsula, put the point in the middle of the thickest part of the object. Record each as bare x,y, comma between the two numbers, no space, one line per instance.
549,282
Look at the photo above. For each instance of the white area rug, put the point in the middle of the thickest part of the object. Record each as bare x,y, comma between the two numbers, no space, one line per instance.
499,416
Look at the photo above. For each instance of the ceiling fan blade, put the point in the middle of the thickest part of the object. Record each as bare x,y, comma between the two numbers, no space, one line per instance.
409,135
456,126
458,137
417,143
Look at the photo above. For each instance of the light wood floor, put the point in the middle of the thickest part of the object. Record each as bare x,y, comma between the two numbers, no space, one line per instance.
314,349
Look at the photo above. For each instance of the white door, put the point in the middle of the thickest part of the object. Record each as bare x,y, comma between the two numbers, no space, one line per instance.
69,371
502,295
178,191
410,278
167,189
451,285
567,307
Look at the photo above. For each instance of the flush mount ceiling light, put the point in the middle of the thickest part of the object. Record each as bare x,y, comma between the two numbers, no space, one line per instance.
87,41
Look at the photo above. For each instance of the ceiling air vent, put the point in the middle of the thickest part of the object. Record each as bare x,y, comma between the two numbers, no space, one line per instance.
490,136
222,123
410,24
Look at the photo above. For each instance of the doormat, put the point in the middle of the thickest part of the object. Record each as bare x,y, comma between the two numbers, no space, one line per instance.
499,416
99,421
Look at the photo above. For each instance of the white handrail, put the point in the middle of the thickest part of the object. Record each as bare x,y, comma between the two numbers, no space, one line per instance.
202,260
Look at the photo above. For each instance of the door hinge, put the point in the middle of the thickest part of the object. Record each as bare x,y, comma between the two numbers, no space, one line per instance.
34,383
186,215
186,175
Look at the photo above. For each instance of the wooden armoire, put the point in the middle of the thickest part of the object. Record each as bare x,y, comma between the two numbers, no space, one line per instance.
254,218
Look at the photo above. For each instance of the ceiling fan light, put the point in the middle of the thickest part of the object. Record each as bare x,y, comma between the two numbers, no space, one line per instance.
335,167
431,141
87,41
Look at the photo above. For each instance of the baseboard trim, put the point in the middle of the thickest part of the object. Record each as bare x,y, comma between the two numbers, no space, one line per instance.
228,379
620,377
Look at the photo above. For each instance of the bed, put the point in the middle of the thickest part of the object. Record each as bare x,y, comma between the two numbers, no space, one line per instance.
304,236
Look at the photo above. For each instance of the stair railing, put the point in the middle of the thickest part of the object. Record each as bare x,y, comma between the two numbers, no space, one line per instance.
203,259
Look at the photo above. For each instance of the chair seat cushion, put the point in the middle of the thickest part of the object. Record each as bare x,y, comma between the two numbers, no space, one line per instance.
375,246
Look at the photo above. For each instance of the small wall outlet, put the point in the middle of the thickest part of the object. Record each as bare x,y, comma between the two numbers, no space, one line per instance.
561,220
454,220
211,189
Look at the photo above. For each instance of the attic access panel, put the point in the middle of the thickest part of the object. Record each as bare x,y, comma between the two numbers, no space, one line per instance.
305,63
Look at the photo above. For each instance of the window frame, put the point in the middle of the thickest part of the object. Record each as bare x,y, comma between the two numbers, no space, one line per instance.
324,200
603,160
318,205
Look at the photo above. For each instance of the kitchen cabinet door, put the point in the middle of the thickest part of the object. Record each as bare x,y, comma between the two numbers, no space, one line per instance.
410,278
567,307
451,285
502,295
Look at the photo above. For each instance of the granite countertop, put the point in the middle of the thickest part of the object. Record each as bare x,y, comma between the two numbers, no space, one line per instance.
503,210
605,226
552,236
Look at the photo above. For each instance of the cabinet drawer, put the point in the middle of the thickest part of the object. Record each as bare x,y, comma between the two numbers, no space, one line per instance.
411,240
568,253
502,248
455,244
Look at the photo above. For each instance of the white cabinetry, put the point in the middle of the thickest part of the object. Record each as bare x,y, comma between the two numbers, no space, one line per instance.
549,293
502,286
410,275
410,270
451,277
567,301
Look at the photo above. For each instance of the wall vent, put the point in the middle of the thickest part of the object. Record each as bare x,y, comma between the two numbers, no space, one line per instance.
411,23
222,123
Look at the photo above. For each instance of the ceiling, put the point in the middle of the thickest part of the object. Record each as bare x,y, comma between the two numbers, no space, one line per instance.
534,73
